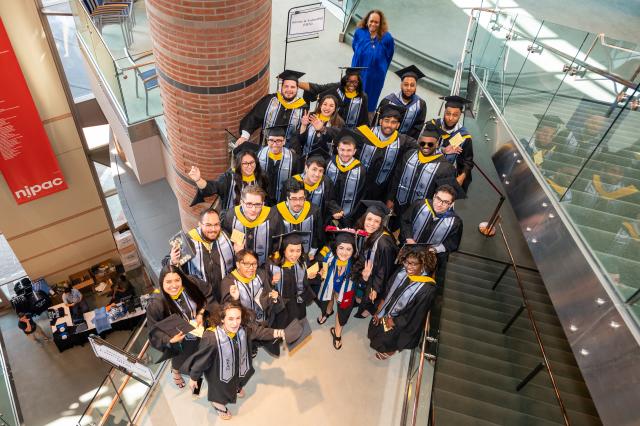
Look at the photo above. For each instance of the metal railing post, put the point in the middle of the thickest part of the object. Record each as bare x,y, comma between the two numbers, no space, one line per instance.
538,368
502,274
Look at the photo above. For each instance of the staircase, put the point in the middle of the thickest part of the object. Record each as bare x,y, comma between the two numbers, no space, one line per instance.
599,221
479,367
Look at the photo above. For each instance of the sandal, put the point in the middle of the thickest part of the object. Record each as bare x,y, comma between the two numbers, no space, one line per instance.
336,339
223,414
240,393
384,355
322,319
177,379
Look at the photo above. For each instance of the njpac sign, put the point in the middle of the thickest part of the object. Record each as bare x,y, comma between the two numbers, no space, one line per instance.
26,159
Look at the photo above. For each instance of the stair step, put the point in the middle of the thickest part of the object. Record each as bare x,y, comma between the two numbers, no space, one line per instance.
496,267
446,417
510,372
511,400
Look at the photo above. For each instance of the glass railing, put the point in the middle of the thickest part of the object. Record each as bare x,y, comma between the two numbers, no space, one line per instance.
120,397
8,405
125,66
571,99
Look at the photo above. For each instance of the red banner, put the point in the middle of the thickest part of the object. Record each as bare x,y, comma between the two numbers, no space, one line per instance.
26,159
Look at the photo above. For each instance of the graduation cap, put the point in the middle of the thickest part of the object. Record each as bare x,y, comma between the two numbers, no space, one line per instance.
352,70
293,237
344,236
279,130
410,71
296,333
320,151
348,134
376,207
290,75
246,147
173,324
549,120
429,131
392,110
455,101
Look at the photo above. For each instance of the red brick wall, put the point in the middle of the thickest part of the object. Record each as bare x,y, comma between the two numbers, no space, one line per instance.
207,44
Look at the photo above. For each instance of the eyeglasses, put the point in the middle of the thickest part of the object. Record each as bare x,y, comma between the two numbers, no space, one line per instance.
390,120
248,163
441,201
249,264
353,81
275,141
408,262
253,205
211,225
429,144
297,198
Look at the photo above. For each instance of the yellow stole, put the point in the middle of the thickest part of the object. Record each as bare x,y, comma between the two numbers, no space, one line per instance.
558,188
345,169
433,214
195,236
309,188
350,95
240,278
287,264
251,178
323,118
421,279
252,224
341,262
289,217
371,137
424,159
178,295
290,105
275,157
613,195
631,230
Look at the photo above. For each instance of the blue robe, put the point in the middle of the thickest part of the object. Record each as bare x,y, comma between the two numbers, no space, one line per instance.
376,55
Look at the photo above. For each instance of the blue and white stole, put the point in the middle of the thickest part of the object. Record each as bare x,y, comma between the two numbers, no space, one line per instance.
411,113
271,117
284,166
195,266
403,290
227,354
353,110
424,218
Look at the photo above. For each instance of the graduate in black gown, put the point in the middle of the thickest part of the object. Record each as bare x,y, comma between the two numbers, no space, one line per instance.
348,177
189,298
401,315
434,222
298,214
224,355
318,189
281,108
277,162
382,150
455,140
353,100
293,286
377,252
254,222
245,171
213,251
318,129
337,285
415,108
419,173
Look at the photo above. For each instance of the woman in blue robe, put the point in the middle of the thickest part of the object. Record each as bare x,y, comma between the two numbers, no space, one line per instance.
373,48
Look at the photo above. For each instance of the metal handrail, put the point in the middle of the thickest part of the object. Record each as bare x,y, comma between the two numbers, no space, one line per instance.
536,332
425,337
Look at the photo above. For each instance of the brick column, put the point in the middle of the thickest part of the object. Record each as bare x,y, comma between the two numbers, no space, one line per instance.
212,58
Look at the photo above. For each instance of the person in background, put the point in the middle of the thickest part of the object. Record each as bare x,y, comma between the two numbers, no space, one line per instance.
121,289
373,48
30,328
415,108
319,128
75,301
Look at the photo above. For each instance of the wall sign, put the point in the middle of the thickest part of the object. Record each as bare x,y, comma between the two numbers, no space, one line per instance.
27,161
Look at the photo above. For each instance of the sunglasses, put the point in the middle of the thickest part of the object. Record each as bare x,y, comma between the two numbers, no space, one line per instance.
429,144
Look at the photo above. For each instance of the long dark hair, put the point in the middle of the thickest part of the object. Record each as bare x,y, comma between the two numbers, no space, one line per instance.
278,257
371,239
335,120
220,312
189,286
237,174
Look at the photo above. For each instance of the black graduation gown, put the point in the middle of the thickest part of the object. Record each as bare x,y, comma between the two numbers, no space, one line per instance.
354,111
348,186
269,112
321,195
416,180
157,311
380,158
226,188
429,229
278,172
414,116
408,322
296,293
309,220
462,161
207,361
383,259
257,233
311,141
266,303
